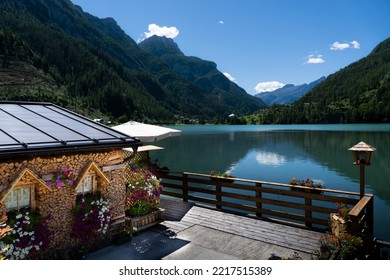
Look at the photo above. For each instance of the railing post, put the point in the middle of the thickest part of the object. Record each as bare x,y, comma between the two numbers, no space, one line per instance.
218,196
370,216
185,187
259,205
308,213
362,216
353,225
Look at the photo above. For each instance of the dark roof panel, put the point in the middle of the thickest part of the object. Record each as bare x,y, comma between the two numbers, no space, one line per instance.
45,128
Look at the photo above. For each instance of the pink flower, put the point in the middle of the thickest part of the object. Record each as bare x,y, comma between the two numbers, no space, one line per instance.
59,183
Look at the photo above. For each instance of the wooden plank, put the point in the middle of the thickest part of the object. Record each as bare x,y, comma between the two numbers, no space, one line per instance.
202,199
249,228
202,190
275,213
114,167
172,186
178,195
360,206
212,213
174,210
225,220
176,227
207,181
294,205
269,230
260,230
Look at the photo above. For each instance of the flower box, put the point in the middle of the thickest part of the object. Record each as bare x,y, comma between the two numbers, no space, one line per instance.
146,221
221,179
315,190
313,187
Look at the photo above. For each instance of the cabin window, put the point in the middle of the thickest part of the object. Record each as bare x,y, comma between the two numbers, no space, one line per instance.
19,197
87,185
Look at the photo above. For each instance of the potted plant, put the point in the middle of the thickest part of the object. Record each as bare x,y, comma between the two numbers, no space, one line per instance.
339,221
314,187
27,236
92,221
143,198
61,178
224,177
344,247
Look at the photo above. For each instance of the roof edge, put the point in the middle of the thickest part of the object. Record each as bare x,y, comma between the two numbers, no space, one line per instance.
26,102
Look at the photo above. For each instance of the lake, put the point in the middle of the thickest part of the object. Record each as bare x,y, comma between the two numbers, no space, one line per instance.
277,153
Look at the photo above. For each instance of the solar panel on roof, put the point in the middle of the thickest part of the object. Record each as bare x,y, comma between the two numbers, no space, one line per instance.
26,127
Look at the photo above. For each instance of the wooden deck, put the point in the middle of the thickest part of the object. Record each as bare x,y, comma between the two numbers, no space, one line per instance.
181,217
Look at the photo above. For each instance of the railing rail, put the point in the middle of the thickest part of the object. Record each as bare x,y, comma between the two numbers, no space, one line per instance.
270,200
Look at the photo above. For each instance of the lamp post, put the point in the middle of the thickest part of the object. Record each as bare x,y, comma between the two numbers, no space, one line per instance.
362,156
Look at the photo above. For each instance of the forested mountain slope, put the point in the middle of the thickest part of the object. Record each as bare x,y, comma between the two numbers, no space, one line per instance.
50,50
358,93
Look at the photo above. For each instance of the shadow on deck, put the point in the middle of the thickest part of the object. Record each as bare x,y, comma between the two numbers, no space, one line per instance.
194,232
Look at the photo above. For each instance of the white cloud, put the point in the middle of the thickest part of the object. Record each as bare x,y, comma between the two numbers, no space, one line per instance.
336,46
221,22
314,59
355,44
268,86
230,77
169,32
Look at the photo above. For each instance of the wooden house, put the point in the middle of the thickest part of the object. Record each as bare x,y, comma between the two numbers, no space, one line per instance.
38,140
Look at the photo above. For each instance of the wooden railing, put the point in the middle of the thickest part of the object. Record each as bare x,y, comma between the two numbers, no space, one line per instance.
283,202
382,249
361,216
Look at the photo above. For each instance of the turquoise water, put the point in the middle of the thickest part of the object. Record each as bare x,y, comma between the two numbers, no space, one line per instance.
280,152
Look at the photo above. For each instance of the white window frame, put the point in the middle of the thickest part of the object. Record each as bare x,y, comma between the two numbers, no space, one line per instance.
19,193
82,189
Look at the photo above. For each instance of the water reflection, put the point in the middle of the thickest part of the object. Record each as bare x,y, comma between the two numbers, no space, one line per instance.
270,158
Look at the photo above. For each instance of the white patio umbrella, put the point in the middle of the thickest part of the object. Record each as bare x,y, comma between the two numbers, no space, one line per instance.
146,132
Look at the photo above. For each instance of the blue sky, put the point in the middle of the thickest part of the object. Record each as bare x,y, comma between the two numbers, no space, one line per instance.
259,44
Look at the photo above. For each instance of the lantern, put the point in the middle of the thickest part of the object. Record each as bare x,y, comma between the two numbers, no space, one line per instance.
362,156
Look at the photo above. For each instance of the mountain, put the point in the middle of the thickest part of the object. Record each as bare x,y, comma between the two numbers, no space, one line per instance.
50,50
160,46
202,73
358,93
287,94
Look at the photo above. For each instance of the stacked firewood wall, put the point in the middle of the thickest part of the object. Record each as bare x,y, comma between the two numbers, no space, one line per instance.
135,161
57,203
